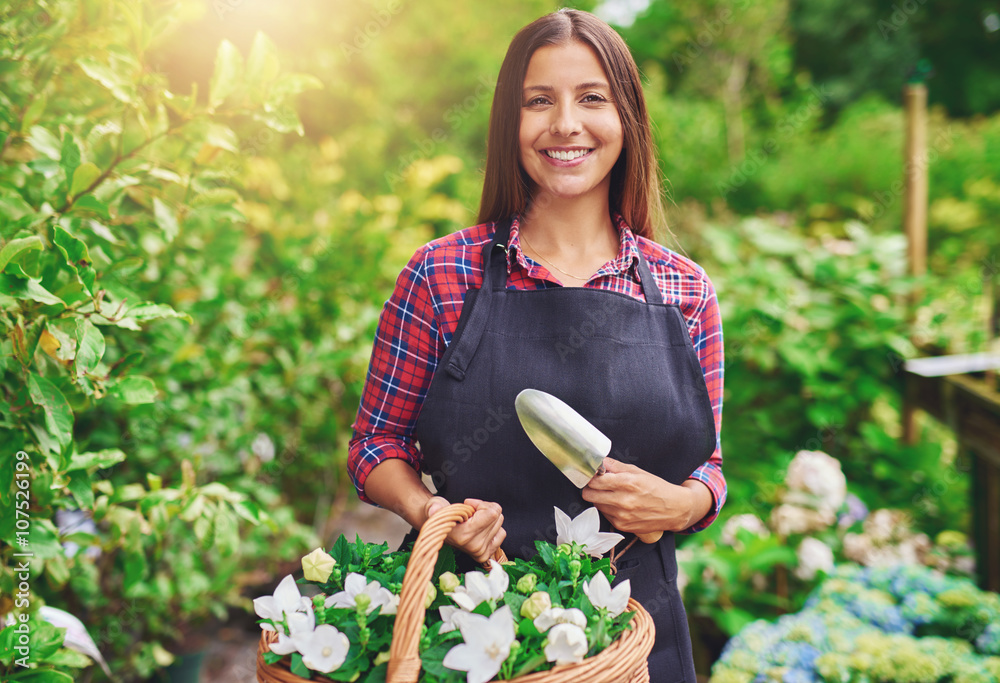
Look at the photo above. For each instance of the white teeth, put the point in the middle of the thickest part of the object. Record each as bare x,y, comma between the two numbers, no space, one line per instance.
568,156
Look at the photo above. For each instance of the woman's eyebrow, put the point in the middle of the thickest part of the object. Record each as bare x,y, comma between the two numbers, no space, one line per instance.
582,86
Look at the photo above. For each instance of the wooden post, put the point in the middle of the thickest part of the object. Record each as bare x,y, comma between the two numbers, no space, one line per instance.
986,522
915,210
915,177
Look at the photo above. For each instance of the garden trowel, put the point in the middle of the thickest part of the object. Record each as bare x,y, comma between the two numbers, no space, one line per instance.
567,439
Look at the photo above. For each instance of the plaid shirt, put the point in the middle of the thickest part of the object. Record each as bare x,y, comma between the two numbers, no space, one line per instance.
418,321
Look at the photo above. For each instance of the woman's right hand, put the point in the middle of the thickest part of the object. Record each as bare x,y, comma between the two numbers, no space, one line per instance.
479,536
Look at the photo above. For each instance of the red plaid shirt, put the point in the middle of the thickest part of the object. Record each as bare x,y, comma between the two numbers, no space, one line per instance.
418,321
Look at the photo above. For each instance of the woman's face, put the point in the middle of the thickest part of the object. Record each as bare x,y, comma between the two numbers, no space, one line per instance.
567,112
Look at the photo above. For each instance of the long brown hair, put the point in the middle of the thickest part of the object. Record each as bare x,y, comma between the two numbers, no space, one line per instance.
635,180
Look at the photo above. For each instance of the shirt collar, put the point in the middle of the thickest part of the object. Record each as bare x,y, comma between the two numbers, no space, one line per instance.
628,248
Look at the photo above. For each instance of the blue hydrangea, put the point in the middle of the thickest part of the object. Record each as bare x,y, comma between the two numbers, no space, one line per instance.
796,675
794,655
920,608
860,623
989,640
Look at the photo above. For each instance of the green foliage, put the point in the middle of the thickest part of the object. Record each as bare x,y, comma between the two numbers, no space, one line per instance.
103,170
815,337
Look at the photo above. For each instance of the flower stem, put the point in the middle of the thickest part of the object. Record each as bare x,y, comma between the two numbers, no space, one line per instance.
530,665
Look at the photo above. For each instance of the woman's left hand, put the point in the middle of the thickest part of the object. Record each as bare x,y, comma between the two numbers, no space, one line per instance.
636,501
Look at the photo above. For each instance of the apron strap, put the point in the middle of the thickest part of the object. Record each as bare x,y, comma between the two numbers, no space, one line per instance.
649,289
494,279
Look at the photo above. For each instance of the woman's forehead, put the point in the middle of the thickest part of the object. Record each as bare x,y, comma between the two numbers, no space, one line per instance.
572,63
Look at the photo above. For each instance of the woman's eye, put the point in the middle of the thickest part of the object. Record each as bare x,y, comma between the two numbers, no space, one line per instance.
537,100
592,97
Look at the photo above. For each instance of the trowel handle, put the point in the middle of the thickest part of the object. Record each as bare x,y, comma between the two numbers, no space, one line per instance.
651,537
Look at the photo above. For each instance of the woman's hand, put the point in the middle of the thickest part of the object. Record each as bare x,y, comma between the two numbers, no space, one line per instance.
479,536
636,501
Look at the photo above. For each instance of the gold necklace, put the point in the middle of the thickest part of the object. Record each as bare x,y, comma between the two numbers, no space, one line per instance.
575,277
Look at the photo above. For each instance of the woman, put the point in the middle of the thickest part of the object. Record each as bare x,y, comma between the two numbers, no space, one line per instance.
559,288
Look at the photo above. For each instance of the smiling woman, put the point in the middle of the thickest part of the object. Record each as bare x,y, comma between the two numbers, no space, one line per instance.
570,201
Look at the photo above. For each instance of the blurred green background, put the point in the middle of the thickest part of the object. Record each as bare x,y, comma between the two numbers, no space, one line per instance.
204,204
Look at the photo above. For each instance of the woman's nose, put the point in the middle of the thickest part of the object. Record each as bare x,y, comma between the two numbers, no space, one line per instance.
564,120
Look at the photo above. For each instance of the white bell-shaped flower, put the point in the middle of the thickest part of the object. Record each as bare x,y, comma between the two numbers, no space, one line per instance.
599,590
585,531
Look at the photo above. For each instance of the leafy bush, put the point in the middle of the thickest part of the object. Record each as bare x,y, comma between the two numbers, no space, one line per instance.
816,331
106,177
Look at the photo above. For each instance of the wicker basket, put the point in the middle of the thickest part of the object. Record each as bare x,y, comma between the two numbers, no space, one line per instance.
624,661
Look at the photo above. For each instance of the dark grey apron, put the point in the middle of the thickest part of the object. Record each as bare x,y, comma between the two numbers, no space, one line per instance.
627,366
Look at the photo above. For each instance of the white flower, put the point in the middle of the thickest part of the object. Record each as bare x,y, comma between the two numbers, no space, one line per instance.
567,644
356,586
601,594
325,649
451,617
318,565
750,522
585,530
300,628
814,556
478,587
557,615
792,519
263,447
286,600
487,645
818,474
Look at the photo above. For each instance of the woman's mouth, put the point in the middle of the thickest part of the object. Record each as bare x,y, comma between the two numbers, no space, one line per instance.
567,156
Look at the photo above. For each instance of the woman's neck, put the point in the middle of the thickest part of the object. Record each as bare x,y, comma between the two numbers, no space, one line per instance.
572,227
574,235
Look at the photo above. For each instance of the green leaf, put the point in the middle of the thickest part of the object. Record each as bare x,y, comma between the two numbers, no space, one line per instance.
91,203
7,466
135,570
119,84
70,658
128,361
216,195
58,415
147,310
77,255
82,490
89,346
83,177
99,459
56,573
27,289
69,157
298,668
227,75
45,538
290,85
135,389
770,557
25,340
732,619
283,119
166,219
41,676
45,142
34,111
263,65
15,247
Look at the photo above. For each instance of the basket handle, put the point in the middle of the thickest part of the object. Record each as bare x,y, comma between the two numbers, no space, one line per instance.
404,656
